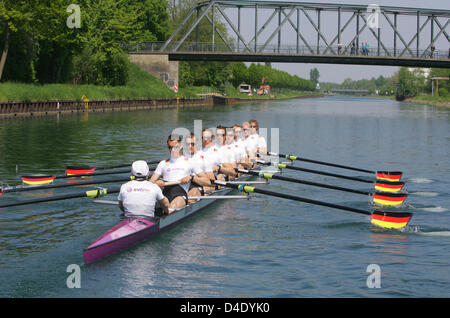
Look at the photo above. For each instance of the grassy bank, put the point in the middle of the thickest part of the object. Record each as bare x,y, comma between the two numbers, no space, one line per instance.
431,100
141,85
232,92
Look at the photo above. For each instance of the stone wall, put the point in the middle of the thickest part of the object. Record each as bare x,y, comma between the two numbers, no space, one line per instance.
158,65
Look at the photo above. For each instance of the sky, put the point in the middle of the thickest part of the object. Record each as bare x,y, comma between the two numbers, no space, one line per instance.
338,73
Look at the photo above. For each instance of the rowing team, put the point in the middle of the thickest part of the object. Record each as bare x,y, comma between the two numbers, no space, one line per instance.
191,172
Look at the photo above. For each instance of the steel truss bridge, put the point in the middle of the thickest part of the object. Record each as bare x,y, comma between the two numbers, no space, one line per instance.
302,32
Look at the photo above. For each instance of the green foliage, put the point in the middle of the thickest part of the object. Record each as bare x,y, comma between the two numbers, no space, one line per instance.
410,82
43,49
140,85
314,75
443,92
275,78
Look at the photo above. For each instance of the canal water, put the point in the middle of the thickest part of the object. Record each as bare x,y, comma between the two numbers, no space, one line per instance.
262,247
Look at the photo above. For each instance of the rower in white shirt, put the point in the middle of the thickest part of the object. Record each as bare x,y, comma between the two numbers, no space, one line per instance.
227,154
204,169
239,144
254,143
209,149
177,169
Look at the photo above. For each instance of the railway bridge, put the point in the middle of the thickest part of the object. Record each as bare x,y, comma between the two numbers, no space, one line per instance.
306,32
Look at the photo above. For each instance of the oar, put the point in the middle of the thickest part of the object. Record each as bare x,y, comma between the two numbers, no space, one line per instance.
386,186
381,175
87,169
381,198
91,194
48,179
34,180
386,219
62,185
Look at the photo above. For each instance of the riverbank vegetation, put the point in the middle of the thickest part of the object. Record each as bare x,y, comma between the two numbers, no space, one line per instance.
412,83
52,51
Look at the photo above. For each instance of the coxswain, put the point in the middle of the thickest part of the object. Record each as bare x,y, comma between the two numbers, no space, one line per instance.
176,174
138,197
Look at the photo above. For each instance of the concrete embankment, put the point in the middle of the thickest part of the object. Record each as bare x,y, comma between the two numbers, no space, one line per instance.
38,108
35,108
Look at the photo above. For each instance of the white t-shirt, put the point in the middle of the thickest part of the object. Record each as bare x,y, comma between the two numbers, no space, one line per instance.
228,154
176,169
241,152
139,198
212,154
199,162
255,141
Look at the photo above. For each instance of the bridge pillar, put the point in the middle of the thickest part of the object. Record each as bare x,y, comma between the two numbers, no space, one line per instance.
158,65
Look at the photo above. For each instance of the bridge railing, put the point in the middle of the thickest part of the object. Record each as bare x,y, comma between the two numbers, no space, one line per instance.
203,47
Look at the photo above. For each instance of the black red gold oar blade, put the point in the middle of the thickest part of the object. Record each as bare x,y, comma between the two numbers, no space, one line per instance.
72,170
388,186
34,180
389,175
391,220
391,199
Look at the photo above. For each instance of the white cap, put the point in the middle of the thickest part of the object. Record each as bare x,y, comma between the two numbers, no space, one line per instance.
139,168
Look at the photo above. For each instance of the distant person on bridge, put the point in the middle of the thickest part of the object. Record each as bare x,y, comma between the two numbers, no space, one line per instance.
352,48
340,48
432,50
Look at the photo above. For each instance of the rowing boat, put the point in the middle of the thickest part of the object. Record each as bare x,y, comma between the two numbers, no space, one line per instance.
132,231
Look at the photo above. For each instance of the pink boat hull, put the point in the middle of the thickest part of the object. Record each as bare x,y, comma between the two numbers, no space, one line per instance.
124,235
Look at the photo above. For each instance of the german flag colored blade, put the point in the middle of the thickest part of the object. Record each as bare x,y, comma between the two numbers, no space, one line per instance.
389,175
71,170
391,199
388,186
391,220
37,179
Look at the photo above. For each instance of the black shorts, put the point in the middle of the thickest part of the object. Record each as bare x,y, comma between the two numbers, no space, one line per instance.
195,185
171,192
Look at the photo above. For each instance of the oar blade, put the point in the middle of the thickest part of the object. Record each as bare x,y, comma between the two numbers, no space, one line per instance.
388,186
389,175
389,199
391,220
73,170
35,180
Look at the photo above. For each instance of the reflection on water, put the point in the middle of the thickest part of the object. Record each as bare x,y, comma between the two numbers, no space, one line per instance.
264,247
393,243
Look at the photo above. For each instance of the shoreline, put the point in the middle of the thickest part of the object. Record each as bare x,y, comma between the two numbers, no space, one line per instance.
68,107
428,102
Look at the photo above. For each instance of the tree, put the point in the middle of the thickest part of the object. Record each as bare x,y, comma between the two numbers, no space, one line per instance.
410,83
14,15
314,75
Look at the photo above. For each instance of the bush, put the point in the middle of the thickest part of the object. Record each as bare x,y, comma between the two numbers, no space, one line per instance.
443,92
